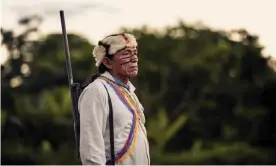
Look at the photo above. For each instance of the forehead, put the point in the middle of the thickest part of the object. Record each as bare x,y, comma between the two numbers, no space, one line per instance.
127,49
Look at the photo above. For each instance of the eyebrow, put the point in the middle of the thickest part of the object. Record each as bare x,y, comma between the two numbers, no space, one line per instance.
128,50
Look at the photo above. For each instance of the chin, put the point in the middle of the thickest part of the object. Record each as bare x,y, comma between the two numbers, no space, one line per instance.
133,74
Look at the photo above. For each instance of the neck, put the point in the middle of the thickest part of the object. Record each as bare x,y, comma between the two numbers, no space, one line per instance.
124,79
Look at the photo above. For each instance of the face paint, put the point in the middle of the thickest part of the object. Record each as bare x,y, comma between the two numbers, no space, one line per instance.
125,63
128,59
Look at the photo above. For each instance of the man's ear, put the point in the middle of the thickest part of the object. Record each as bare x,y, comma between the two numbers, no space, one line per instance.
107,63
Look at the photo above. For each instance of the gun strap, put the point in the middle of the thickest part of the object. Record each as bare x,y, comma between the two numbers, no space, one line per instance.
111,129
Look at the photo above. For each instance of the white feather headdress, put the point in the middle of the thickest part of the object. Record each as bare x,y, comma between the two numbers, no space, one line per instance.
115,42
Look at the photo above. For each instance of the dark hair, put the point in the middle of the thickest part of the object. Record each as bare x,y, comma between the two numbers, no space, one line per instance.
101,69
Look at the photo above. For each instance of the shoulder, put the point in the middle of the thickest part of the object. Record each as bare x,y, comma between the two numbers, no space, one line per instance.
96,86
94,90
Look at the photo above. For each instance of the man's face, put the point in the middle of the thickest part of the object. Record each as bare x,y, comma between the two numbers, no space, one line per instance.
125,62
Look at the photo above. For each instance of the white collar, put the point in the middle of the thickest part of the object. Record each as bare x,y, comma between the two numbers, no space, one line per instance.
109,76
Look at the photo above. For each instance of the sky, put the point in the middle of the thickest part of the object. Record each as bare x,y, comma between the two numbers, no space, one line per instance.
95,19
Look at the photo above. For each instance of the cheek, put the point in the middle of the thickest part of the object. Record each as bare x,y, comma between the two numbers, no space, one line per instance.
131,70
122,69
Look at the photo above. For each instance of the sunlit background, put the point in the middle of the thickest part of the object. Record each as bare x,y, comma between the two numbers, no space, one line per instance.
97,18
206,77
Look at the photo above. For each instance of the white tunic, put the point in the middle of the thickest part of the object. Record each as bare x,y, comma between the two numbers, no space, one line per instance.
94,126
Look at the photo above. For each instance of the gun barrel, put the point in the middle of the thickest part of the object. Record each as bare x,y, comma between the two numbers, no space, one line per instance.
66,47
74,87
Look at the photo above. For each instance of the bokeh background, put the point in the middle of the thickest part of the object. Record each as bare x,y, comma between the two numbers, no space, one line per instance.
206,77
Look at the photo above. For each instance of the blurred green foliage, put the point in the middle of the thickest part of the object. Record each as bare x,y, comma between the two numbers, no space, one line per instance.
209,98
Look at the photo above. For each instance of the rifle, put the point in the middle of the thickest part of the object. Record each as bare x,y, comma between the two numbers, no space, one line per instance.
75,90
74,87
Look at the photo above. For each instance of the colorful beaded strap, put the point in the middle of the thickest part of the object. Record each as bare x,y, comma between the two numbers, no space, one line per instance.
131,140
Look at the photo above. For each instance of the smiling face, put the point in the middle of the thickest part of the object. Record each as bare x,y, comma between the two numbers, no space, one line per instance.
124,63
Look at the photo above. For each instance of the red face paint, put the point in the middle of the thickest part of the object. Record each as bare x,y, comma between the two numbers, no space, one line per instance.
125,63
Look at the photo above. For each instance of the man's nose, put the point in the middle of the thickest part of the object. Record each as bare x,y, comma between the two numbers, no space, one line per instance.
134,59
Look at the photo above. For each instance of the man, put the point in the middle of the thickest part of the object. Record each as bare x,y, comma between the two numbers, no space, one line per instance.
117,61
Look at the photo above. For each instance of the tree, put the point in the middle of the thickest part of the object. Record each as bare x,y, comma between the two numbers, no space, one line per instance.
215,80
210,94
35,86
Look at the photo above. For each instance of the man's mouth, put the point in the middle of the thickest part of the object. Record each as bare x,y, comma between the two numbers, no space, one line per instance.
134,67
